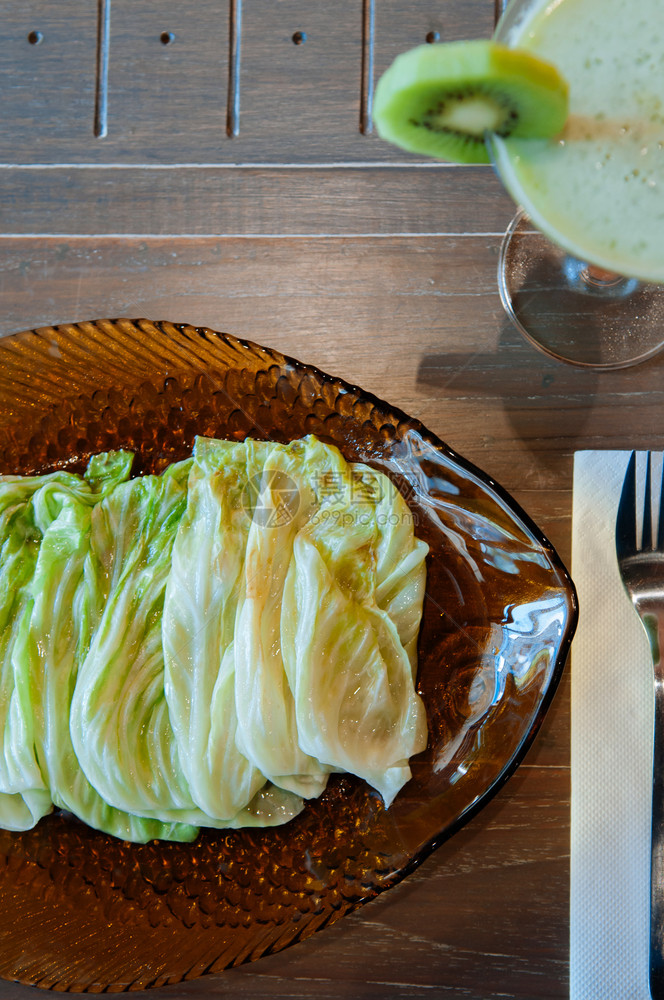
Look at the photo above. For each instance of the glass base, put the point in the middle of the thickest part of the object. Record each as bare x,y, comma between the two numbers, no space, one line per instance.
575,312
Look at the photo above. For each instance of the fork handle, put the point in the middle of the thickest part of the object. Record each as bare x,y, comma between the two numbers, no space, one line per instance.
655,628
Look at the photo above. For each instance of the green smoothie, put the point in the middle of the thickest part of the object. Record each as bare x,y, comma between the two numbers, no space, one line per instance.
597,188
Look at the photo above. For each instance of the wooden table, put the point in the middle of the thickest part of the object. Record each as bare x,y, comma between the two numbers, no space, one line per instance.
307,234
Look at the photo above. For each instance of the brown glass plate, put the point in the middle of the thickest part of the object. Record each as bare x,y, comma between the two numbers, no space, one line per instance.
82,911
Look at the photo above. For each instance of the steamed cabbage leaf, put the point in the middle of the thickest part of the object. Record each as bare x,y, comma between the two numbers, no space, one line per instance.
30,506
400,559
267,726
24,795
347,665
26,509
119,720
119,717
67,603
199,625
204,647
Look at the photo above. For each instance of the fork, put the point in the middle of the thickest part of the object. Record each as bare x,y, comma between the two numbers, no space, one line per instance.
642,569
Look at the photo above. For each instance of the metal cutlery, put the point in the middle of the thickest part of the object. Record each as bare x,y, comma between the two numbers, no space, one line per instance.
641,562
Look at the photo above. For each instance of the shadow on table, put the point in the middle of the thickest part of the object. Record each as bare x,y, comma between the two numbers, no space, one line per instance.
529,385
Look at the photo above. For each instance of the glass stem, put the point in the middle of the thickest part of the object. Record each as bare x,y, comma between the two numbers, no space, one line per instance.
590,279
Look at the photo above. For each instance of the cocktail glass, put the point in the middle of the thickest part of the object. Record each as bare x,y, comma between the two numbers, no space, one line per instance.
574,308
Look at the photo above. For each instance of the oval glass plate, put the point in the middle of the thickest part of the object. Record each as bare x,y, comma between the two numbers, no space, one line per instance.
82,911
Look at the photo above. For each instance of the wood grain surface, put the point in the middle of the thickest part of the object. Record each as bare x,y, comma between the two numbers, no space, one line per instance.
168,76
418,321
306,235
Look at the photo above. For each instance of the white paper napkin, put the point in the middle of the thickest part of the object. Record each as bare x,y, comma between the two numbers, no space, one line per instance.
612,712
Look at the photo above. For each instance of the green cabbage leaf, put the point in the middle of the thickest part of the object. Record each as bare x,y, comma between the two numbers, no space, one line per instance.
204,647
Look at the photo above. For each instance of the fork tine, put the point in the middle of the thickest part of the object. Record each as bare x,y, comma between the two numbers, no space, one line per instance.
660,515
646,535
626,517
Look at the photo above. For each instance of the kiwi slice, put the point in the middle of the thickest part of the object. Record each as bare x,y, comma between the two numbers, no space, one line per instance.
441,100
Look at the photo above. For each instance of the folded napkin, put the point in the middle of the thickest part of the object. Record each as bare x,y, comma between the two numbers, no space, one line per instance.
612,713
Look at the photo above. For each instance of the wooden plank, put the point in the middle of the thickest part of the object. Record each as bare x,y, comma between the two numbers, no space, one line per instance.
300,102
167,93
167,83
199,201
48,87
416,320
400,26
